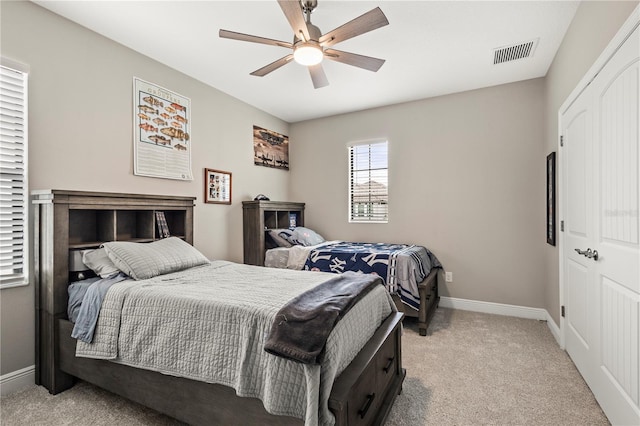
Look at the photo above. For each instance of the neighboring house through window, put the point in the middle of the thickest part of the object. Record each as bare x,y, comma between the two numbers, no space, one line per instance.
369,182
14,197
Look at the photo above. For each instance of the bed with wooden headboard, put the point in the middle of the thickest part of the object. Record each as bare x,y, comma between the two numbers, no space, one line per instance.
260,217
70,220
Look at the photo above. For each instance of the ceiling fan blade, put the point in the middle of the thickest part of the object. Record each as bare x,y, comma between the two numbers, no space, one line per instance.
293,11
254,39
318,76
362,24
273,66
360,61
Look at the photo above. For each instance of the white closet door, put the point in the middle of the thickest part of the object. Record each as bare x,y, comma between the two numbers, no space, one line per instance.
617,274
601,161
579,285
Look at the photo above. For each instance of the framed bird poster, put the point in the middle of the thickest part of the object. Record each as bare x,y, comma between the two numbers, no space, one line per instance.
162,121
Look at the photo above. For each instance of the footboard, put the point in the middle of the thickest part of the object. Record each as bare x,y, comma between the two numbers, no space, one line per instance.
429,300
366,390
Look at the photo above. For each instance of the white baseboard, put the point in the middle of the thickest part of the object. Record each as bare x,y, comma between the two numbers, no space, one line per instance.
17,380
494,308
555,330
503,309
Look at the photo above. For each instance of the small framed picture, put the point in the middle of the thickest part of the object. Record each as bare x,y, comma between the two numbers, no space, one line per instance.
217,186
551,199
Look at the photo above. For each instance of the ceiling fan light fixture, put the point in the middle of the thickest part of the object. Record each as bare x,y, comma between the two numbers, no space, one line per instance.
308,53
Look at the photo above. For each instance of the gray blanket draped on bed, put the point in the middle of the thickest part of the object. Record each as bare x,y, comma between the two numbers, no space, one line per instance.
302,326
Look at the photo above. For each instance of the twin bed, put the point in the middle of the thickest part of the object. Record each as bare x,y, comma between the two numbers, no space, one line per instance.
409,272
187,336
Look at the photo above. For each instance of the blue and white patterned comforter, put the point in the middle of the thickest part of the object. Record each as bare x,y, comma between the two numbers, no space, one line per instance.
402,267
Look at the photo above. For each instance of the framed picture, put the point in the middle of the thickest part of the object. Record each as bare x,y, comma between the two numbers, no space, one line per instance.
270,149
217,186
551,199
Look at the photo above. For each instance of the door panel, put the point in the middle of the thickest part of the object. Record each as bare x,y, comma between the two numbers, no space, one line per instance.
578,316
577,145
578,234
618,121
620,337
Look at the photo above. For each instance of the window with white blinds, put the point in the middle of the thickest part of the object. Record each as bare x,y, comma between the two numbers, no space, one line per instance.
13,177
368,182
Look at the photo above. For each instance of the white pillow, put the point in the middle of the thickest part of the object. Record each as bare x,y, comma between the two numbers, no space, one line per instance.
98,261
146,260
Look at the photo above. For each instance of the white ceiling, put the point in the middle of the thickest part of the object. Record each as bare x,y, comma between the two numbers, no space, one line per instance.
431,48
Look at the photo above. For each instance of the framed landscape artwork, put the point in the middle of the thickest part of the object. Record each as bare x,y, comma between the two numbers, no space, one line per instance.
270,149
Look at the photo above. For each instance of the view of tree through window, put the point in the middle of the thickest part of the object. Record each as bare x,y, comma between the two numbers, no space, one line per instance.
368,182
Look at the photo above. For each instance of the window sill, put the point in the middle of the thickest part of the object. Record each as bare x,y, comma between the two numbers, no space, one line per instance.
12,285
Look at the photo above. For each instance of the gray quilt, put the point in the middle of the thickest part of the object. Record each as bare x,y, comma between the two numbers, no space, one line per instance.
210,323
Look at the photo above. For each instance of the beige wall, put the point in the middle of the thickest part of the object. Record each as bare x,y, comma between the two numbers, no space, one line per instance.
467,170
466,180
80,137
593,26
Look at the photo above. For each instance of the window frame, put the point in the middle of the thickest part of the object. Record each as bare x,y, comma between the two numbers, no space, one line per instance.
23,278
355,216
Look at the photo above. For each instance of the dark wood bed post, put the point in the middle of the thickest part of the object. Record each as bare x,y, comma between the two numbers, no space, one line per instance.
51,266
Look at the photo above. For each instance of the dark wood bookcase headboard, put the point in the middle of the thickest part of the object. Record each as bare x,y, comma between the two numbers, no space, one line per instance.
261,216
69,220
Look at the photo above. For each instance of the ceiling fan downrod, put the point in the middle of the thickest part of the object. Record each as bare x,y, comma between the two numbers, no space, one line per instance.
307,8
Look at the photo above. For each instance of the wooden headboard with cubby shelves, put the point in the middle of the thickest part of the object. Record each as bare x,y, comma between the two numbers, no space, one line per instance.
70,220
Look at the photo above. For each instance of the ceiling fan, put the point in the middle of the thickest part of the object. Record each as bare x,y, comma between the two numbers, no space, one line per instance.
310,46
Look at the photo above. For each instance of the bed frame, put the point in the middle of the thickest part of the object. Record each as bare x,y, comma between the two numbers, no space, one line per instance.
429,301
68,220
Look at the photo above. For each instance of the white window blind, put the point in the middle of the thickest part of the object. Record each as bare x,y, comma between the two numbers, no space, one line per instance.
13,176
368,182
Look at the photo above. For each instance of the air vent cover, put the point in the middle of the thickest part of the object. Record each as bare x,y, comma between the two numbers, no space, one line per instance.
514,52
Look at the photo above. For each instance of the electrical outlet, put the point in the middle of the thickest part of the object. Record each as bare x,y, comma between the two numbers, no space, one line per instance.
448,277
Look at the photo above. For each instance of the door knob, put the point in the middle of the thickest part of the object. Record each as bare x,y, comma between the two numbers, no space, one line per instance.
588,253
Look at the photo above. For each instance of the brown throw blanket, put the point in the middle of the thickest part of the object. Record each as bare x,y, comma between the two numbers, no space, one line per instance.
301,328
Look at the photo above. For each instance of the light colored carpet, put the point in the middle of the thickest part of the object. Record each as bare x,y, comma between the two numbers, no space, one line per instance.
471,369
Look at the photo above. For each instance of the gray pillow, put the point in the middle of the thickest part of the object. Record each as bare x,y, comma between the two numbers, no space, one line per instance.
302,236
146,260
98,261
280,241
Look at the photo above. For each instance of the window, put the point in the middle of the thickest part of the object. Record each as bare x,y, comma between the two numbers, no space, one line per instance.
368,182
14,199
